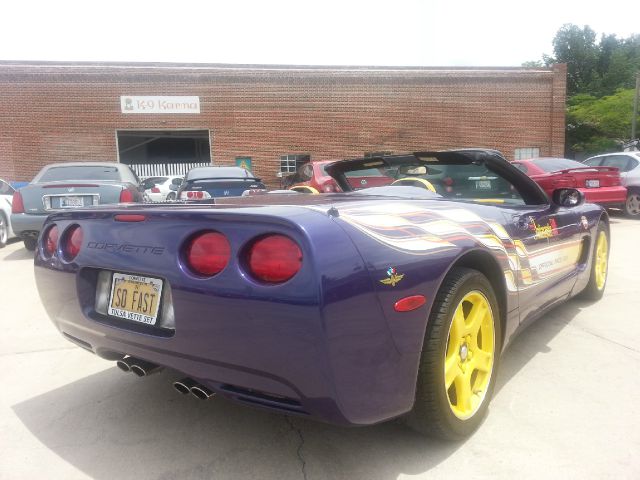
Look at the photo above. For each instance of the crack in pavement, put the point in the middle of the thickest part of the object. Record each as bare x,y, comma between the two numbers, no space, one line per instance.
300,445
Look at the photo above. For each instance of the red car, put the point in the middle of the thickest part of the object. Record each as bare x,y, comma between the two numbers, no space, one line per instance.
313,176
600,185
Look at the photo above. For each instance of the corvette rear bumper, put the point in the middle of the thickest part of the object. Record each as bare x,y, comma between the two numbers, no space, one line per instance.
294,357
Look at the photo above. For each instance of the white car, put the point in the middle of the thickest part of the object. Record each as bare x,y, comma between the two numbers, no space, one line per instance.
162,189
629,165
6,196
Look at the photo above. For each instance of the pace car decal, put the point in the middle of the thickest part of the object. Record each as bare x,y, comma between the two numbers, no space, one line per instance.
416,231
392,277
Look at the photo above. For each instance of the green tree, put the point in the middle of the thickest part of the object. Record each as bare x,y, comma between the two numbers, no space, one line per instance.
596,125
577,48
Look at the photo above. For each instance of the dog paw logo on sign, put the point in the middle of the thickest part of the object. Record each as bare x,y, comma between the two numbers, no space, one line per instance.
393,277
128,103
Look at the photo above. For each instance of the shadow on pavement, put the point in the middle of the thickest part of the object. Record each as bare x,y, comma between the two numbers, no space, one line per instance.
20,254
114,425
535,339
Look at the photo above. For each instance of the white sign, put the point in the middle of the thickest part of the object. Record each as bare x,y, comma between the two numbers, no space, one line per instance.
149,104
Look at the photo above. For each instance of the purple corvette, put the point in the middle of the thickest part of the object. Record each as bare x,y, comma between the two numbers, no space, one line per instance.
351,308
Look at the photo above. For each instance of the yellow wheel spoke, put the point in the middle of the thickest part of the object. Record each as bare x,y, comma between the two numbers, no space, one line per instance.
476,315
482,361
463,392
452,370
458,328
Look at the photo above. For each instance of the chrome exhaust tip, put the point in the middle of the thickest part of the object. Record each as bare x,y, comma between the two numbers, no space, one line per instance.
184,386
125,364
202,392
142,368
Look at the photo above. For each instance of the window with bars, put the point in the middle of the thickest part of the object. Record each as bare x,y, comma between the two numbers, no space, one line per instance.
526,153
290,163
376,154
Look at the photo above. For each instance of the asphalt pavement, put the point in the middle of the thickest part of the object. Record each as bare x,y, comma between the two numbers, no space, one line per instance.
566,406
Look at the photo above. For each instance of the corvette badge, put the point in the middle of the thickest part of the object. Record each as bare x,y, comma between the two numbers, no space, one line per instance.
392,277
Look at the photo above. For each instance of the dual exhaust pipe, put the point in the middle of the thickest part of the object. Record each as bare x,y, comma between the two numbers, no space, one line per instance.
188,385
141,368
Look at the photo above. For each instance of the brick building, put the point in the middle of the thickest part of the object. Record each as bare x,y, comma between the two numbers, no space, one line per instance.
159,117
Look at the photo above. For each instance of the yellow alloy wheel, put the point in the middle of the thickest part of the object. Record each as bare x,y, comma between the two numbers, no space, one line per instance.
304,189
413,180
601,260
469,355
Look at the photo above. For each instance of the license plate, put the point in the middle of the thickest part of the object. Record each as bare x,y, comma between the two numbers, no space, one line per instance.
66,202
134,297
593,183
483,184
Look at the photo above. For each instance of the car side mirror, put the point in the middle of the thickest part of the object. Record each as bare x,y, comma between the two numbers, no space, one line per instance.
567,197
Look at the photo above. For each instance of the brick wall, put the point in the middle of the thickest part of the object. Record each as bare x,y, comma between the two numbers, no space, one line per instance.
62,112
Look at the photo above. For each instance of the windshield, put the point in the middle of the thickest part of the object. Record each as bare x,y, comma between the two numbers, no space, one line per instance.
88,172
463,181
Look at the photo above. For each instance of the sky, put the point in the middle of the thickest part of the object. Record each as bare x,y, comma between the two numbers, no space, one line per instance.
393,33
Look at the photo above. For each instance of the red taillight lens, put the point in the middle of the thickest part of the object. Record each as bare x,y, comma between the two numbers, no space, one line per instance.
274,258
155,190
195,195
208,253
72,242
448,181
17,205
126,196
51,241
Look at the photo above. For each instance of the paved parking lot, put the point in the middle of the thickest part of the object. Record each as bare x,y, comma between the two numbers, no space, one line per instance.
566,406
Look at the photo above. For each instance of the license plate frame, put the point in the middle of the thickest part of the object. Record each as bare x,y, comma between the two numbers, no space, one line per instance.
123,299
483,184
592,183
71,201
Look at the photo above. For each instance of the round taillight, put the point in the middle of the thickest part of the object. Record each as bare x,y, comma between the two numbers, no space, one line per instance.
208,253
72,242
274,258
51,241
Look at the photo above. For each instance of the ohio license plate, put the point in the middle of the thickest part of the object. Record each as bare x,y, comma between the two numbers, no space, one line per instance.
483,184
593,183
134,297
67,202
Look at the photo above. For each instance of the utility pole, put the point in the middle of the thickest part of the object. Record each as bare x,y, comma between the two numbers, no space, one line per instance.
635,108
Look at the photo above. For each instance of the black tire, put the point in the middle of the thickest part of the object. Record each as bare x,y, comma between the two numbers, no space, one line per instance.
432,412
171,196
30,243
593,291
631,206
4,230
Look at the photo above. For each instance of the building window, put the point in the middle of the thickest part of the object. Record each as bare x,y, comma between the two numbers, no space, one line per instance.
290,163
526,153
375,154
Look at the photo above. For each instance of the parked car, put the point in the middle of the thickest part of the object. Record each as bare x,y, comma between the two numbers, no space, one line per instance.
162,189
601,185
312,178
65,186
629,165
352,308
202,183
6,197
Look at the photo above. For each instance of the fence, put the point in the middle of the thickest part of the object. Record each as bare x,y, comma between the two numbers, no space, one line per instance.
145,170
